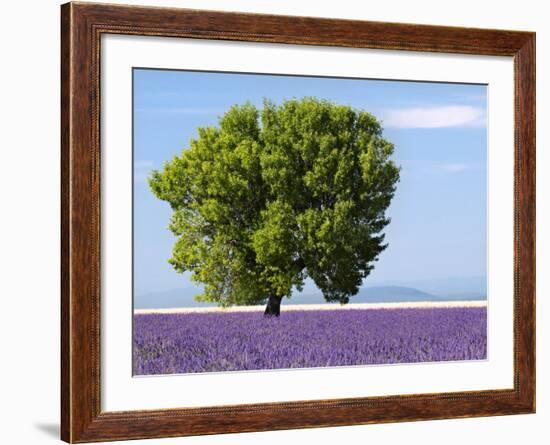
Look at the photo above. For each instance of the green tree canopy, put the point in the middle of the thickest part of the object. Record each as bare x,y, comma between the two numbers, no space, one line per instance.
272,196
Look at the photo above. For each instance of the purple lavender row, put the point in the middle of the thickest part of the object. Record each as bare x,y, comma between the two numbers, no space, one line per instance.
210,342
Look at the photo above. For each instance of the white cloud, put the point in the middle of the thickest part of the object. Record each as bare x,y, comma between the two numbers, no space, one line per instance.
180,110
455,168
143,163
435,117
142,169
426,167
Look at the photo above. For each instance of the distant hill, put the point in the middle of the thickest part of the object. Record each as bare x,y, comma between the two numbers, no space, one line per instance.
450,288
368,294
377,294
393,294
183,297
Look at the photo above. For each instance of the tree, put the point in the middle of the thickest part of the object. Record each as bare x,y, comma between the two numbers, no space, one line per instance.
268,198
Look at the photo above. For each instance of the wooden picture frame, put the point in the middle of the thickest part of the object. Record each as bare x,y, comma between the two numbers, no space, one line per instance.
82,25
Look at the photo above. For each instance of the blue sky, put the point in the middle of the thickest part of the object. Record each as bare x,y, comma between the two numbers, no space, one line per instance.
438,227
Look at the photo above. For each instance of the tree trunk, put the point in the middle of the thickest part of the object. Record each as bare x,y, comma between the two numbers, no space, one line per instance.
273,307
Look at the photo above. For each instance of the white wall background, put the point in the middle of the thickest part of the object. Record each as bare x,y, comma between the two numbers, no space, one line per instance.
29,235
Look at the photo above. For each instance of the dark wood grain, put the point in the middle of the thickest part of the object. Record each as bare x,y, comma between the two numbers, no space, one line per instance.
81,29
65,227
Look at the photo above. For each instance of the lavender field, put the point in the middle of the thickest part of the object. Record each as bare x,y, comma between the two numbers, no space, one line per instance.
235,341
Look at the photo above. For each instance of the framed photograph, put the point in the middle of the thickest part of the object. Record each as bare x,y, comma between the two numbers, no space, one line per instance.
274,222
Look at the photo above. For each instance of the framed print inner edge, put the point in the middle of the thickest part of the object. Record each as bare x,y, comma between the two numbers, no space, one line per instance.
120,54
81,417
